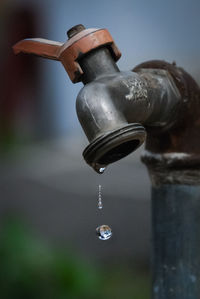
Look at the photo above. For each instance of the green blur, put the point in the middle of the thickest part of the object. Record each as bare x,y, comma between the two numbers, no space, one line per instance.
31,269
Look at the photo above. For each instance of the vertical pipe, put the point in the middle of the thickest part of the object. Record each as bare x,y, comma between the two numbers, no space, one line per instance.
176,241
172,157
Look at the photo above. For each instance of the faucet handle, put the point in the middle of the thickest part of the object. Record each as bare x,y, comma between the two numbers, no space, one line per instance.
81,41
39,46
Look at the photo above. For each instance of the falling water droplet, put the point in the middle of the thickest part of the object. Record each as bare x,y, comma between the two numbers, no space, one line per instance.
104,232
101,169
100,206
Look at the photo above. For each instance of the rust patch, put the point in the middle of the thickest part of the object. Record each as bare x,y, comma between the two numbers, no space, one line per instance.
184,135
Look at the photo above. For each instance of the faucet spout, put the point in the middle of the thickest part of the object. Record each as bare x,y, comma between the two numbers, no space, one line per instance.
101,110
115,108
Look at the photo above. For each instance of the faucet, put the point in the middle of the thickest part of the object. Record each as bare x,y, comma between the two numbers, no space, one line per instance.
115,108
118,110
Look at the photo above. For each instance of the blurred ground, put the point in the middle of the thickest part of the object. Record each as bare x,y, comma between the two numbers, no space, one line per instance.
31,269
50,189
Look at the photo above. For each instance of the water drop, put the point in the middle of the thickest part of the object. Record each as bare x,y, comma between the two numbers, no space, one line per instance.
98,167
100,205
104,232
101,169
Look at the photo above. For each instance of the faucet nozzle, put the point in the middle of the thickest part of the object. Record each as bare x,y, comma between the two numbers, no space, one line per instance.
113,146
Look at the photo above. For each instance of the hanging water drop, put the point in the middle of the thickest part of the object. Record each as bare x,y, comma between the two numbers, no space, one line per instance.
104,232
99,168
102,169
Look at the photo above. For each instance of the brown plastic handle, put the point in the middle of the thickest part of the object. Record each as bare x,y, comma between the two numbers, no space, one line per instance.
40,47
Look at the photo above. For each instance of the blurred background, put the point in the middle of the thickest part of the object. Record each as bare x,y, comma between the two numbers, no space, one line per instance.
48,195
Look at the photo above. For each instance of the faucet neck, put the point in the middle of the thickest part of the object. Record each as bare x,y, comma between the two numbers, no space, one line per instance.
96,63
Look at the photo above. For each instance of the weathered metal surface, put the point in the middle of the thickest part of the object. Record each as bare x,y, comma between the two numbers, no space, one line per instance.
164,148
111,100
75,30
97,63
114,145
173,168
176,242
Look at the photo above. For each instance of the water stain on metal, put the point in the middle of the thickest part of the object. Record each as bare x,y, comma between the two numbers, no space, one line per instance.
137,89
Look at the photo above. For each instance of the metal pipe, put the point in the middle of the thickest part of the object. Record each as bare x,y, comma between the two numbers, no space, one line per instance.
176,241
114,108
97,63
173,160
